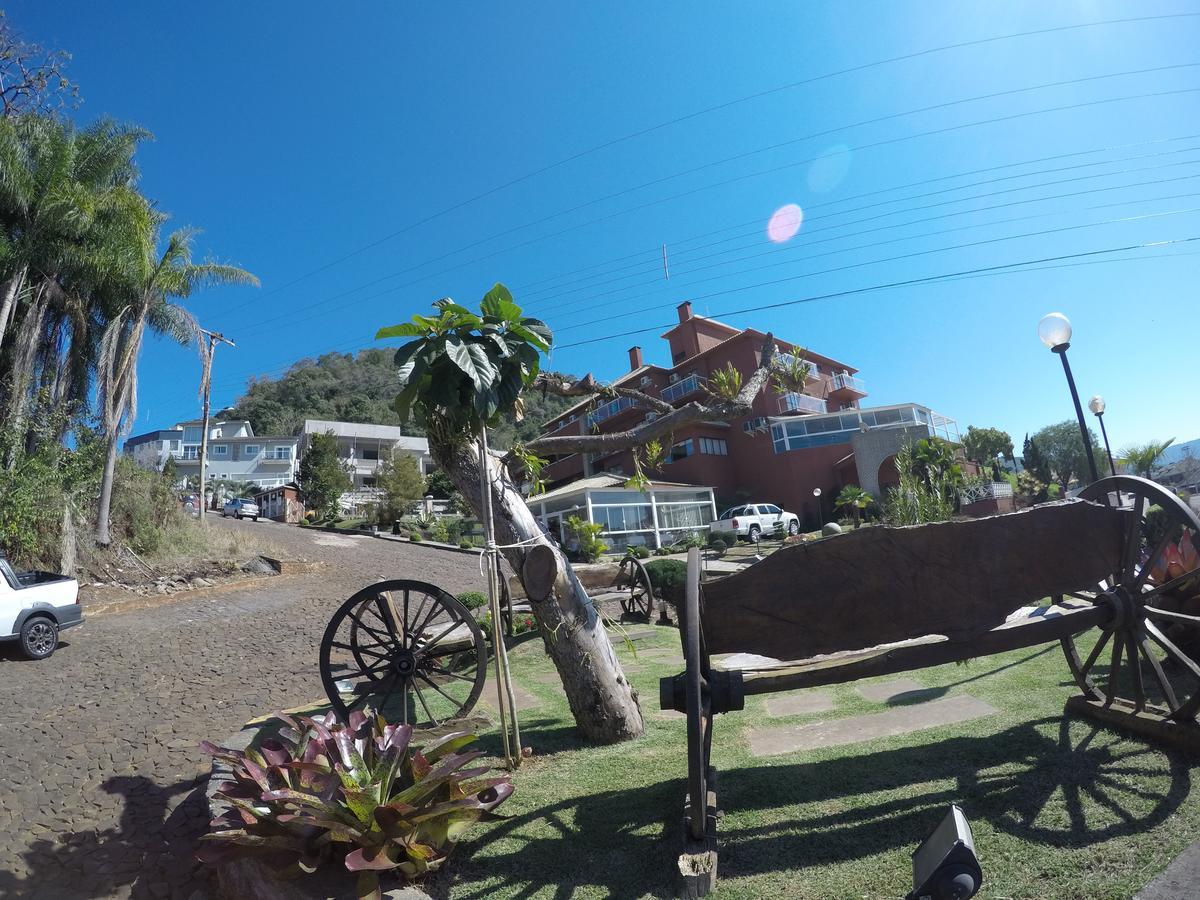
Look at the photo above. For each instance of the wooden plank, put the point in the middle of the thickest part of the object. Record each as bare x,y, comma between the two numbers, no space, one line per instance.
1121,714
883,585
923,653
697,863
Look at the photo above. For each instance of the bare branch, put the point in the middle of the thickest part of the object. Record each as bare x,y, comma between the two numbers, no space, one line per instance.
668,422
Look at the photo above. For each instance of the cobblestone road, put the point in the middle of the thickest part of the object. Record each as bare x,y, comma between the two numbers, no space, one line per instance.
101,783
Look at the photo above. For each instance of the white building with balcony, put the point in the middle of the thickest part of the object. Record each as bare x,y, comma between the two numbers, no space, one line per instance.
364,447
235,452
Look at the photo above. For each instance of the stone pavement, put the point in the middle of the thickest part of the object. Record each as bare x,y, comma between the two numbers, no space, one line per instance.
100,775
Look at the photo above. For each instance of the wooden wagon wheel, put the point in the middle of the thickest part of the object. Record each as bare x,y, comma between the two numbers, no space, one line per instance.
1153,639
698,701
407,649
633,577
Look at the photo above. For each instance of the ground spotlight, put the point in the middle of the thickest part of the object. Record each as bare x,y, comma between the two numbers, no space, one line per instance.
945,866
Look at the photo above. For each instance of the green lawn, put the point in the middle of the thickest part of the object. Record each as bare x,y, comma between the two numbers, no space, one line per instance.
1060,807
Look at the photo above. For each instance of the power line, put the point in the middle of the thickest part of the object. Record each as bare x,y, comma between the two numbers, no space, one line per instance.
589,284
903,257
690,192
716,108
928,279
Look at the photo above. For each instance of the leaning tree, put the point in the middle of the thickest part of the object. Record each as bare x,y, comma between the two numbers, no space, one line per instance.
460,374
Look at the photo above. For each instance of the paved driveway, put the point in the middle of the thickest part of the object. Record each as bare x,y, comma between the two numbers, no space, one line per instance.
101,784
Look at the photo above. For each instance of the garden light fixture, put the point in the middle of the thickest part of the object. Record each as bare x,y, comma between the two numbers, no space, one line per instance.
1096,405
945,866
1055,332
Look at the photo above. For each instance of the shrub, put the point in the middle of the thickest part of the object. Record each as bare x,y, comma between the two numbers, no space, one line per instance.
473,599
714,536
718,546
415,537
439,531
641,551
669,578
453,531
587,537
466,545
358,794
662,551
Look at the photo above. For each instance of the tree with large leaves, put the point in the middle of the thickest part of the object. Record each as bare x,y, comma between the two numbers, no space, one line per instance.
154,281
986,446
460,373
1062,452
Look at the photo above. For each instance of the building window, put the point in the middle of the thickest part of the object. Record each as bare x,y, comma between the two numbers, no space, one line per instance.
191,451
371,454
368,482
251,450
280,452
220,449
681,450
714,446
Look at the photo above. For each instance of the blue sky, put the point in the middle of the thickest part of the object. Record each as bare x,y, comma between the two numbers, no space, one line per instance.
308,141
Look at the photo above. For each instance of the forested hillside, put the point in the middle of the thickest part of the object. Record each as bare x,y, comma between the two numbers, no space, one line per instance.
349,388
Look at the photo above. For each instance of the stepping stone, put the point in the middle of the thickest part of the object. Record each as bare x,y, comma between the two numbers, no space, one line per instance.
799,704
855,729
886,691
524,699
630,634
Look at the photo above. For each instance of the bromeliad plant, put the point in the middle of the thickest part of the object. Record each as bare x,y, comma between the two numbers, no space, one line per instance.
359,793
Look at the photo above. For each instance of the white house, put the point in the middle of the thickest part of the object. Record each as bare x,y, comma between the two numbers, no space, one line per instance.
364,447
235,452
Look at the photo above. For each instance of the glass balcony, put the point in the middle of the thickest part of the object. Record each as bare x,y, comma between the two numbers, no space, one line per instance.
793,402
814,373
681,389
608,410
843,381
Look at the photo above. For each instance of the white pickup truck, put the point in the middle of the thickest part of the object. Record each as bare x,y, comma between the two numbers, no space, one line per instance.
35,607
753,520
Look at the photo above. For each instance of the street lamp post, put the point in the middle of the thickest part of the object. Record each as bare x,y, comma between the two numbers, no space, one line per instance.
820,510
1096,405
1055,332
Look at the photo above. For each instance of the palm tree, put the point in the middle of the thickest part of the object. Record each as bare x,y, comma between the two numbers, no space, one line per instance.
855,499
1143,458
60,189
154,281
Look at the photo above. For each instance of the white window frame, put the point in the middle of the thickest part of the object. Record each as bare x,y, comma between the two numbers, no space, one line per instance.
220,450
251,451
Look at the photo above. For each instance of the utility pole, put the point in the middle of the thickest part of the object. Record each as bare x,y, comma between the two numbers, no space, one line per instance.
206,355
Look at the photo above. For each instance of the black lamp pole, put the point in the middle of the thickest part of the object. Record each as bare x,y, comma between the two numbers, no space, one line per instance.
1112,466
1061,350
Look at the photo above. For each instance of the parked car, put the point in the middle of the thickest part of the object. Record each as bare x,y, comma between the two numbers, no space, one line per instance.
35,607
240,509
754,519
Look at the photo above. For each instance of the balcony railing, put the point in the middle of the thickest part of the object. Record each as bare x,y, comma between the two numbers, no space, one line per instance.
793,402
814,373
680,389
843,381
608,410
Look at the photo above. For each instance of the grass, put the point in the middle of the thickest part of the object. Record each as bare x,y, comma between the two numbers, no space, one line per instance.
1060,807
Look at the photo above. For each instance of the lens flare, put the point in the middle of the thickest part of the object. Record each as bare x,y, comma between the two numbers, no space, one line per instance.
828,170
784,223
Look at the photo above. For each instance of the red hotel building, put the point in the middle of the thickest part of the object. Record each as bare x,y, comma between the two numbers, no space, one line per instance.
790,445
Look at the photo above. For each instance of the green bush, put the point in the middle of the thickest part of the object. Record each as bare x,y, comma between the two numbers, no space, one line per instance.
714,536
439,531
718,546
641,551
415,537
473,599
466,545
662,551
587,536
453,531
669,578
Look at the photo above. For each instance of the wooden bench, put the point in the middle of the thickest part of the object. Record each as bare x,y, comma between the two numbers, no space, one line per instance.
883,600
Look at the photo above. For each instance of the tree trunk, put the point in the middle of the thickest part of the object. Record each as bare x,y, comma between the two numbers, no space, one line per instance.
10,299
602,701
104,508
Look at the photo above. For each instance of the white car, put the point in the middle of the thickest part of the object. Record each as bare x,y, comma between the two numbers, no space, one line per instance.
240,509
35,607
753,520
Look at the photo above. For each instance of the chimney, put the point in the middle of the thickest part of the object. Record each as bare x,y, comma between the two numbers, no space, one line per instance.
685,310
635,358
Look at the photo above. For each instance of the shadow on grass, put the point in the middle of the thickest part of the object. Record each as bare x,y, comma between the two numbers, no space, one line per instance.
1065,791
924,695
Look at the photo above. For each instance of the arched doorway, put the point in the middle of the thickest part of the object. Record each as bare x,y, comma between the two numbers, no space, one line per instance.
888,476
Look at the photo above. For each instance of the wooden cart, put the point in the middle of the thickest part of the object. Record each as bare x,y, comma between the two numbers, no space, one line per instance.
883,600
